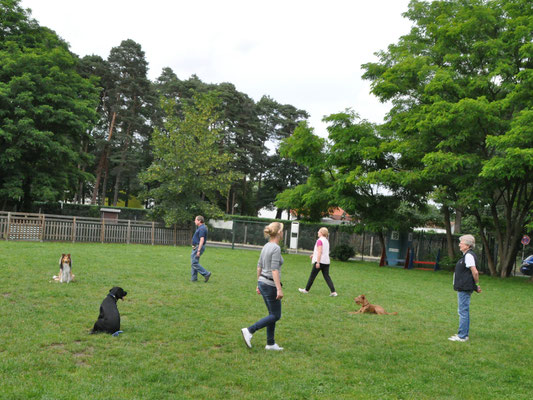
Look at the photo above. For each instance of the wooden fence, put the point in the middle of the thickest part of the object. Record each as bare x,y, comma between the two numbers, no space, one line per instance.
58,228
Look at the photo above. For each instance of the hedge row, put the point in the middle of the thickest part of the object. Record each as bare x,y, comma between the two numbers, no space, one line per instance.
87,210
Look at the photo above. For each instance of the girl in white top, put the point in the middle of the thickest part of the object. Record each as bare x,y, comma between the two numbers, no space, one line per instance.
320,261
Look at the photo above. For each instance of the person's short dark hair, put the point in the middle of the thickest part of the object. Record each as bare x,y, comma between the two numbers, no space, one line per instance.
200,218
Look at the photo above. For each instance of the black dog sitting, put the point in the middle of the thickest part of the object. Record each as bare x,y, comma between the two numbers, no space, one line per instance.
109,318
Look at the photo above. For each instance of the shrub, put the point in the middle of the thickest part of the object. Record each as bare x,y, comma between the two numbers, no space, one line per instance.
447,264
87,210
343,252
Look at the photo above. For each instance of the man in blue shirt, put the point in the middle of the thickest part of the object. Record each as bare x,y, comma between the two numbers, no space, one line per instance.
198,246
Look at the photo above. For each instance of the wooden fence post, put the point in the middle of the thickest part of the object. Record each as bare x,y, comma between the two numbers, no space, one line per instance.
175,236
363,247
102,233
43,227
128,234
74,230
8,226
153,232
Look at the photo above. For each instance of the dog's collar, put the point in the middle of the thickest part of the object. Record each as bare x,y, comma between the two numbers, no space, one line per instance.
112,295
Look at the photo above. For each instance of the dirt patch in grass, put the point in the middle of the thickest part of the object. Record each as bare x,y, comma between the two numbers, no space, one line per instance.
58,348
82,357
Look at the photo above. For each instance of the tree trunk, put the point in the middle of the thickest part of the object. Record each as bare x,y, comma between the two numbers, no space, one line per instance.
25,204
486,246
257,205
126,202
101,170
103,160
381,238
78,197
243,194
101,200
127,143
510,260
509,224
279,211
117,181
228,197
512,245
449,237
458,219
383,259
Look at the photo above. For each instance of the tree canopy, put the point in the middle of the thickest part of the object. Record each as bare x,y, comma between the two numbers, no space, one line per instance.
460,86
343,173
80,129
459,130
190,165
46,110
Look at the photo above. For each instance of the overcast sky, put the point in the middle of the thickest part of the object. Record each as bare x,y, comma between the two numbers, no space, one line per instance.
305,53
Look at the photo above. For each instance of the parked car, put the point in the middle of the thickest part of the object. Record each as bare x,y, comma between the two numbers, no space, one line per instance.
527,266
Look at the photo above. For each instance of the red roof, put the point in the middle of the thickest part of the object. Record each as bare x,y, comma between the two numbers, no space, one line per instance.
339,214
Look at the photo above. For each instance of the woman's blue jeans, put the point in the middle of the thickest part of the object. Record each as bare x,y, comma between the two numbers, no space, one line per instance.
269,294
463,300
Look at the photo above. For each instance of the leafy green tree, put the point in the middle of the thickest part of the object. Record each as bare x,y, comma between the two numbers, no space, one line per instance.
133,99
344,174
461,88
275,172
46,112
128,111
244,140
360,154
281,173
239,128
190,167
311,199
251,132
97,69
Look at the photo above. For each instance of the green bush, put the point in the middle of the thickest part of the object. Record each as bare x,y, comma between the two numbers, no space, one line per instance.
343,252
87,210
447,264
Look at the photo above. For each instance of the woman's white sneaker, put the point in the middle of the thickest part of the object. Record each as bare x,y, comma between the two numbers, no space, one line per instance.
456,338
273,347
302,290
333,294
247,336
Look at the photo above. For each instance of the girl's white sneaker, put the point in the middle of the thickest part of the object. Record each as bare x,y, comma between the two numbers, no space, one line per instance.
247,336
273,347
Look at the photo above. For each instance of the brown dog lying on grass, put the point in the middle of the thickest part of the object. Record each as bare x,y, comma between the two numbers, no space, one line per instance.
366,307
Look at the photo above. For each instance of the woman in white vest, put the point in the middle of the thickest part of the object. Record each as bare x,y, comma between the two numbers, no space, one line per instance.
320,261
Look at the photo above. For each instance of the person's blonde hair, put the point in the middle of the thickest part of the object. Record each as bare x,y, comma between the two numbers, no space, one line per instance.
324,232
469,240
273,229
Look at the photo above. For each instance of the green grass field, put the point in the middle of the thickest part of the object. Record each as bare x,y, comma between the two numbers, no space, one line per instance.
182,340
